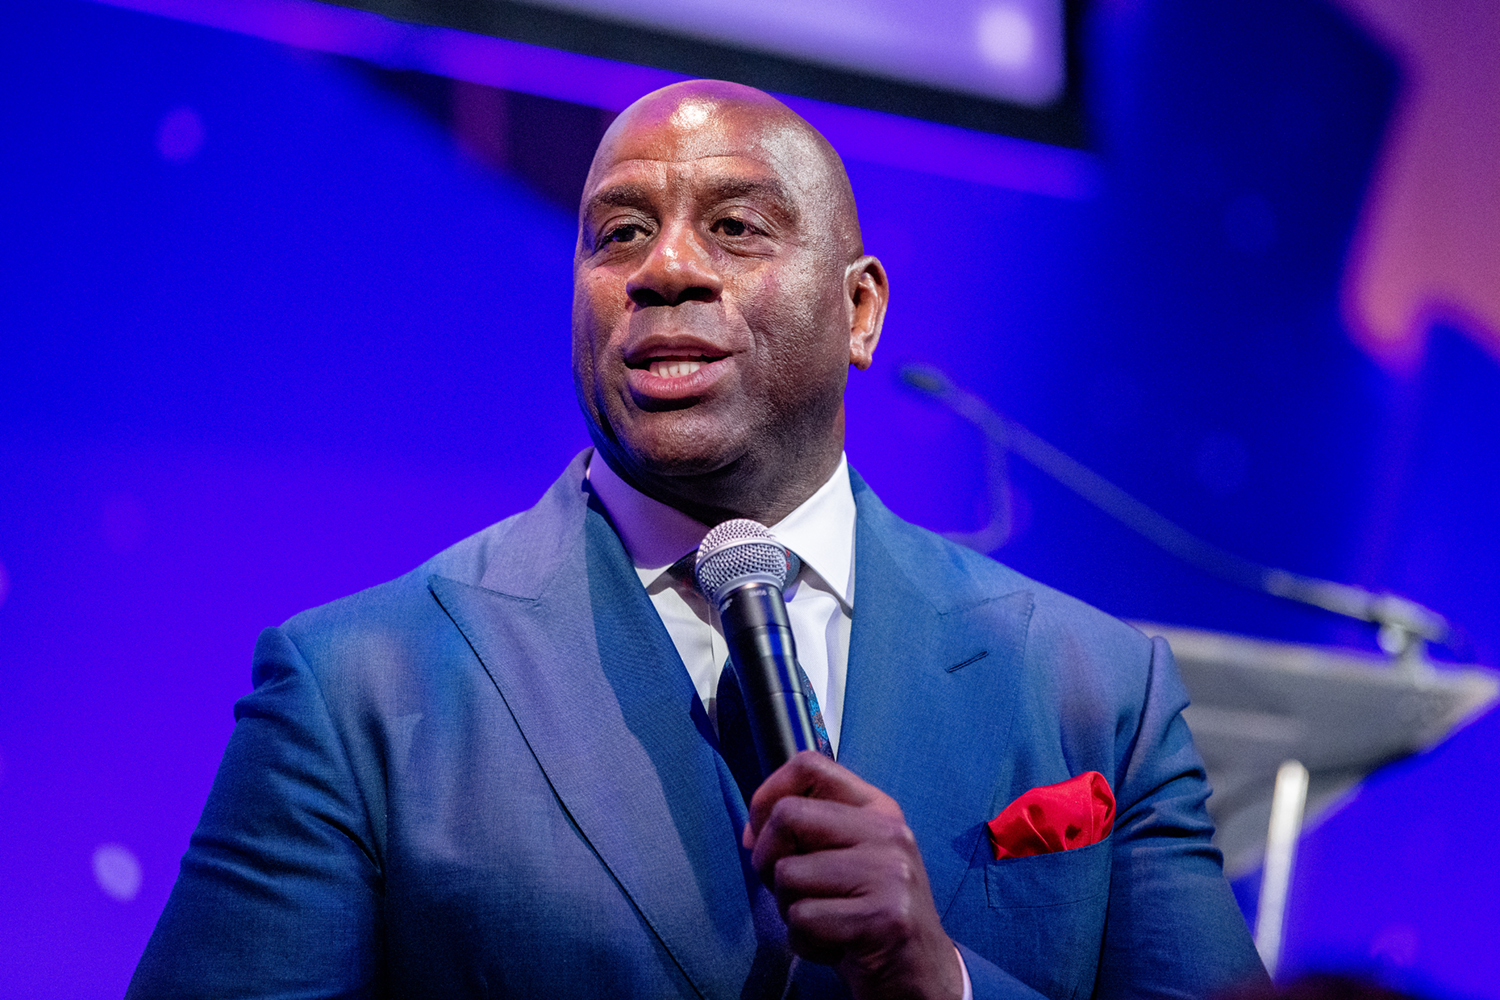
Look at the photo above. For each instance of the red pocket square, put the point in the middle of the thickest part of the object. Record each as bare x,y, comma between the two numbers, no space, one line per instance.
1073,813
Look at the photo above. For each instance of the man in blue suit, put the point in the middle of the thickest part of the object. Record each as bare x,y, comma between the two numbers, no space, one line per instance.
501,774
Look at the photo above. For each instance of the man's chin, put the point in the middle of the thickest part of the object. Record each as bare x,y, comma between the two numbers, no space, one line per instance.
653,463
677,463
676,445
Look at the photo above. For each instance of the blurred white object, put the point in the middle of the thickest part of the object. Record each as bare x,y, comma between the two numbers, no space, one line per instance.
1287,802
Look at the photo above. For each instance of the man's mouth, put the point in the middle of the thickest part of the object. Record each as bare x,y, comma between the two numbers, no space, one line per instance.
676,367
674,374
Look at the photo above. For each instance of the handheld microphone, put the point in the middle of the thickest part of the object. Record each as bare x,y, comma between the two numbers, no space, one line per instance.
742,571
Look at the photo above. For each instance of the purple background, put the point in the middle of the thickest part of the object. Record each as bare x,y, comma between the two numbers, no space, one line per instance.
269,333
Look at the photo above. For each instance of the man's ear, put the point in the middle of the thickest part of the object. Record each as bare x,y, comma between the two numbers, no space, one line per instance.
867,291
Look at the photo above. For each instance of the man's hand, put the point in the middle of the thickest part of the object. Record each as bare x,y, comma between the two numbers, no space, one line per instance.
847,875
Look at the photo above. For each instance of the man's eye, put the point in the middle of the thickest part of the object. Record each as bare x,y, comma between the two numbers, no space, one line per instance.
622,234
731,227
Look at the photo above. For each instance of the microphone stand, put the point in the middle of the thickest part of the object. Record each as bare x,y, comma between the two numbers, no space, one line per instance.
1404,626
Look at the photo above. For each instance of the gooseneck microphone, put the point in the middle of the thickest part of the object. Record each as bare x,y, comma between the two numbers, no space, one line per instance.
742,571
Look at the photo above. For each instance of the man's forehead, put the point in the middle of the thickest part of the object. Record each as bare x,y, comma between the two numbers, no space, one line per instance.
712,176
725,132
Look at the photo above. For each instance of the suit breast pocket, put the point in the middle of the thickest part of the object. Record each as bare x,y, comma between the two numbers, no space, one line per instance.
1049,879
1047,913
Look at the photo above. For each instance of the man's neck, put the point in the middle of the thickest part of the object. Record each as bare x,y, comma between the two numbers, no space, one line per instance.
655,535
733,490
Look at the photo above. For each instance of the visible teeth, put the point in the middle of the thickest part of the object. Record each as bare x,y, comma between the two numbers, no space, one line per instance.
674,369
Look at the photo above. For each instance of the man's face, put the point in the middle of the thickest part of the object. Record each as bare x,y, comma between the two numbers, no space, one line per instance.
711,306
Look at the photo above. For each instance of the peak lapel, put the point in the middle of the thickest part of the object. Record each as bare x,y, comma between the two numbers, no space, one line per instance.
594,683
933,668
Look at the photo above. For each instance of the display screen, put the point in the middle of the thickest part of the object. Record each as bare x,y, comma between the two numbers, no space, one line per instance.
1007,50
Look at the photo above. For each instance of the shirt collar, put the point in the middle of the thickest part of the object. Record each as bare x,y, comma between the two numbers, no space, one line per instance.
820,530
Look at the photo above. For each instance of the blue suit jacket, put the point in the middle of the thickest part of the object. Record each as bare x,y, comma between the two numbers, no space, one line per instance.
492,778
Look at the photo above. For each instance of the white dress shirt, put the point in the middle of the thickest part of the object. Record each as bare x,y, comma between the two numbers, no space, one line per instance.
819,602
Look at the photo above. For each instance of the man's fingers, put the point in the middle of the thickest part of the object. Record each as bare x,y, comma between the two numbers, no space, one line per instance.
802,826
811,775
798,825
865,870
820,930
828,930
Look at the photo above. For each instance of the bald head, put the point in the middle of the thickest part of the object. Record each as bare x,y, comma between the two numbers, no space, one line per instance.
715,118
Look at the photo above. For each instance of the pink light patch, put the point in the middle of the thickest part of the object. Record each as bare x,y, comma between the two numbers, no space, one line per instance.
1427,248
179,137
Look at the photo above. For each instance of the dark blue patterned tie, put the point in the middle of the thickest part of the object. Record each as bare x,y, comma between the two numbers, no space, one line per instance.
794,567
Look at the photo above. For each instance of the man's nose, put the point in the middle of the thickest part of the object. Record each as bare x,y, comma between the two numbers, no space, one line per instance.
679,268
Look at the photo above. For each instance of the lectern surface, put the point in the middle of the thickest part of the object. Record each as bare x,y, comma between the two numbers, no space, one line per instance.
1342,713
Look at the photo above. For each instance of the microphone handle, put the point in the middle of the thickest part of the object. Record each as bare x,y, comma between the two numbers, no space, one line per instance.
763,655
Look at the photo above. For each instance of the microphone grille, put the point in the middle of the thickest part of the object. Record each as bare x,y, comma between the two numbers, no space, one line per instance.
735,552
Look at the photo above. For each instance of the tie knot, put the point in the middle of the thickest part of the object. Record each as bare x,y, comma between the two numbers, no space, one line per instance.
682,569
793,566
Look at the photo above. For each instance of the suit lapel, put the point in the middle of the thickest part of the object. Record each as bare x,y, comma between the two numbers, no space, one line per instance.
595,686
933,668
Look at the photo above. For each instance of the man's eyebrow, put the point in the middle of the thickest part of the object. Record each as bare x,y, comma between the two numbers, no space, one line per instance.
768,188
619,196
719,189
